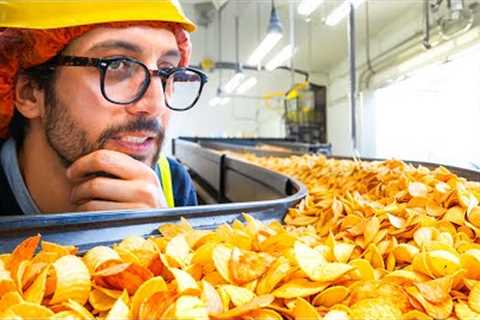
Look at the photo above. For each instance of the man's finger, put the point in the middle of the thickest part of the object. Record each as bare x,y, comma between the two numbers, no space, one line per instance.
117,190
100,205
109,163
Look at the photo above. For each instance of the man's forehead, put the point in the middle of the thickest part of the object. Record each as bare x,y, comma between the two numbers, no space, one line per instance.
134,38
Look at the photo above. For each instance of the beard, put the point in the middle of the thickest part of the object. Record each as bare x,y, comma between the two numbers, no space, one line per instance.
70,141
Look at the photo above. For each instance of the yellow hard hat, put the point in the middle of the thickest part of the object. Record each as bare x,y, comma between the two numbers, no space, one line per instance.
49,14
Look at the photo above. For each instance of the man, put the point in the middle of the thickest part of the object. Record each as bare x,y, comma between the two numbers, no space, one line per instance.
84,102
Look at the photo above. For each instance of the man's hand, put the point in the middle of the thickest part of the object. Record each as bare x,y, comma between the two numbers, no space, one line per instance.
134,185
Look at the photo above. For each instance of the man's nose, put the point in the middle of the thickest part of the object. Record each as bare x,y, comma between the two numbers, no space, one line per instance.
152,103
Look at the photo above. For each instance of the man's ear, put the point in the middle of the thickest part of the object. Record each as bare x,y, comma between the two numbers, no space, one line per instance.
29,98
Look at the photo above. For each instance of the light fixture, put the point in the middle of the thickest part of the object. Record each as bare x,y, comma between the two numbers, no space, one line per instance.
233,83
224,101
214,101
457,20
306,7
341,12
285,54
247,85
274,34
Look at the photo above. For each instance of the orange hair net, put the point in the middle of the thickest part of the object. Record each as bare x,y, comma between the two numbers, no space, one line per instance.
24,48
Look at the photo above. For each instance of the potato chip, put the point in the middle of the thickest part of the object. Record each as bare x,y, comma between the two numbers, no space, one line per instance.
6,282
275,273
146,290
363,270
416,315
304,310
98,257
257,303
157,305
28,310
336,315
100,301
438,310
246,266
190,307
36,292
129,276
58,249
377,308
179,250
211,298
24,251
66,315
309,260
463,312
238,295
9,299
417,189
185,283
331,296
120,310
443,262
474,298
221,257
436,290
405,252
263,314
330,272
78,308
72,280
299,288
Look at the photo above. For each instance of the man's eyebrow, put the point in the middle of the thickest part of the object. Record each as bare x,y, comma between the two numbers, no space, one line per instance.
116,44
173,53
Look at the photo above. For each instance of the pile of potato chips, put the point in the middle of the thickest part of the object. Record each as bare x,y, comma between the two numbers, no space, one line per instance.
379,240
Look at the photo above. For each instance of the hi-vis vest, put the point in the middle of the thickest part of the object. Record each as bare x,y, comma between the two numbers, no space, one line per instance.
166,178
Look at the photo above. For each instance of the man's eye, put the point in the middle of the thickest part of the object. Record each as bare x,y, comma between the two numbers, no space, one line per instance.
119,65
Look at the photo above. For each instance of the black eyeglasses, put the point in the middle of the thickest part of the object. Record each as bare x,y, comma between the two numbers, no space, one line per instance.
125,80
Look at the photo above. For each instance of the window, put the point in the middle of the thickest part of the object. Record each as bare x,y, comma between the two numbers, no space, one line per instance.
433,115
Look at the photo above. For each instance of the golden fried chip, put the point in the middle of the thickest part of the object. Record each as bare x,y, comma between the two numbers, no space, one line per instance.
72,280
299,288
146,290
377,308
98,257
36,292
28,310
307,259
185,283
100,301
304,310
246,266
331,296
330,272
463,312
238,295
221,258
438,310
275,273
211,298
24,251
190,307
257,303
120,310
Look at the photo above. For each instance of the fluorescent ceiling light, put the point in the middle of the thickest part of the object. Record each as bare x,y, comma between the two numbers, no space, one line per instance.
231,85
341,12
213,102
306,7
224,101
271,39
247,85
280,58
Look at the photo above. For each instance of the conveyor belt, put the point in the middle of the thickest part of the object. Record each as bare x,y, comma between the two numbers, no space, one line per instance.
264,194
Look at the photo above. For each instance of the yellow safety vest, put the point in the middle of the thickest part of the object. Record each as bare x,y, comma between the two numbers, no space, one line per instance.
166,177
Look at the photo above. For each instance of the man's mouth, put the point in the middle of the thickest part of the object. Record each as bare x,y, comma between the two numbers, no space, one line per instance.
134,143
